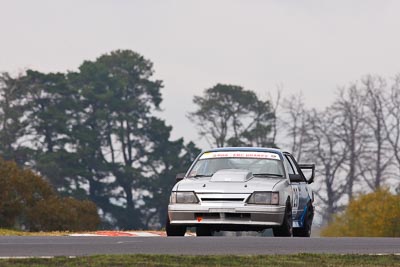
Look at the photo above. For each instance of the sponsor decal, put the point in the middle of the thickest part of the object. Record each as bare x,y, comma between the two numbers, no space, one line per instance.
240,154
296,197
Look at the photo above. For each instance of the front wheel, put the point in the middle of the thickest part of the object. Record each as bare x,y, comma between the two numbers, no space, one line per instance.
286,228
174,230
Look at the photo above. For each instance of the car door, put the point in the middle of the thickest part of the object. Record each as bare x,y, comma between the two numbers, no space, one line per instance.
300,191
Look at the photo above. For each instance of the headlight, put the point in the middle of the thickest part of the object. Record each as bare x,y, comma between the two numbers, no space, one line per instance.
184,197
264,198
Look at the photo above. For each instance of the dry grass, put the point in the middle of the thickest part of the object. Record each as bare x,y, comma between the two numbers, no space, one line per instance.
308,260
10,232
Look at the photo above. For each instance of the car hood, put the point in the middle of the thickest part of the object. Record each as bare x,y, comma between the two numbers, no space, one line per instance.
235,185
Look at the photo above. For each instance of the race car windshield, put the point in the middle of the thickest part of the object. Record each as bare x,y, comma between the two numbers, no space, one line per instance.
268,168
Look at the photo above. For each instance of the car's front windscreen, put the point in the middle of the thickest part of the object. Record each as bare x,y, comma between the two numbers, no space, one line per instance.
261,164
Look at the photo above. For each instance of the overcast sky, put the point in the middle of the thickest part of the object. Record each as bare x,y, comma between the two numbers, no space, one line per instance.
308,46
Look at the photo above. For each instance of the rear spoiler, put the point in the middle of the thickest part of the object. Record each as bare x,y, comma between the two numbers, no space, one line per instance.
308,167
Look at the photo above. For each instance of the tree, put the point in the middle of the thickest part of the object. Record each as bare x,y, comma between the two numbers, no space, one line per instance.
349,110
377,158
12,122
275,105
49,110
117,137
295,123
375,214
329,154
230,115
392,122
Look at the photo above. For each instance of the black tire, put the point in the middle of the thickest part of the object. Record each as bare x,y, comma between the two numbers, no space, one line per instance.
286,228
174,230
305,231
203,230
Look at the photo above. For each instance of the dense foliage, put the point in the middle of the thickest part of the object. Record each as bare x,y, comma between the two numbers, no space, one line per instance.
27,201
375,214
93,135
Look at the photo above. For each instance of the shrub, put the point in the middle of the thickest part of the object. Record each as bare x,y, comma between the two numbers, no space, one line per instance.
56,214
372,215
28,201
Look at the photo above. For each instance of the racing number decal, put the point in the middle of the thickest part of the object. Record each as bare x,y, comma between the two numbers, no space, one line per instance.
295,196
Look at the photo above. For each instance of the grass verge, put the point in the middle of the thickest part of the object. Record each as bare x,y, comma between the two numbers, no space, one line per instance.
228,260
10,232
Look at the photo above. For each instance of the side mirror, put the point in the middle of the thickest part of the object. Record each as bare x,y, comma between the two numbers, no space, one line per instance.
180,177
296,178
308,169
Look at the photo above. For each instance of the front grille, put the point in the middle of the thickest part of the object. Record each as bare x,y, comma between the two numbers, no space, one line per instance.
222,215
237,215
222,199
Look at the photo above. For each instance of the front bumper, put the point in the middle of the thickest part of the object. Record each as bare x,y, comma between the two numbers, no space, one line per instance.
226,214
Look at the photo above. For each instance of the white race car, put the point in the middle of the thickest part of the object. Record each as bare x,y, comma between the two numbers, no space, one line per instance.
243,189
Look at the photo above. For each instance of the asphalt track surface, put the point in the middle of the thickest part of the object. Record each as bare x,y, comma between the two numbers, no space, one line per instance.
16,246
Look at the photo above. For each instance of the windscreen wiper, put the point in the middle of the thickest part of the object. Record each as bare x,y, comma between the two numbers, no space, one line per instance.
268,174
